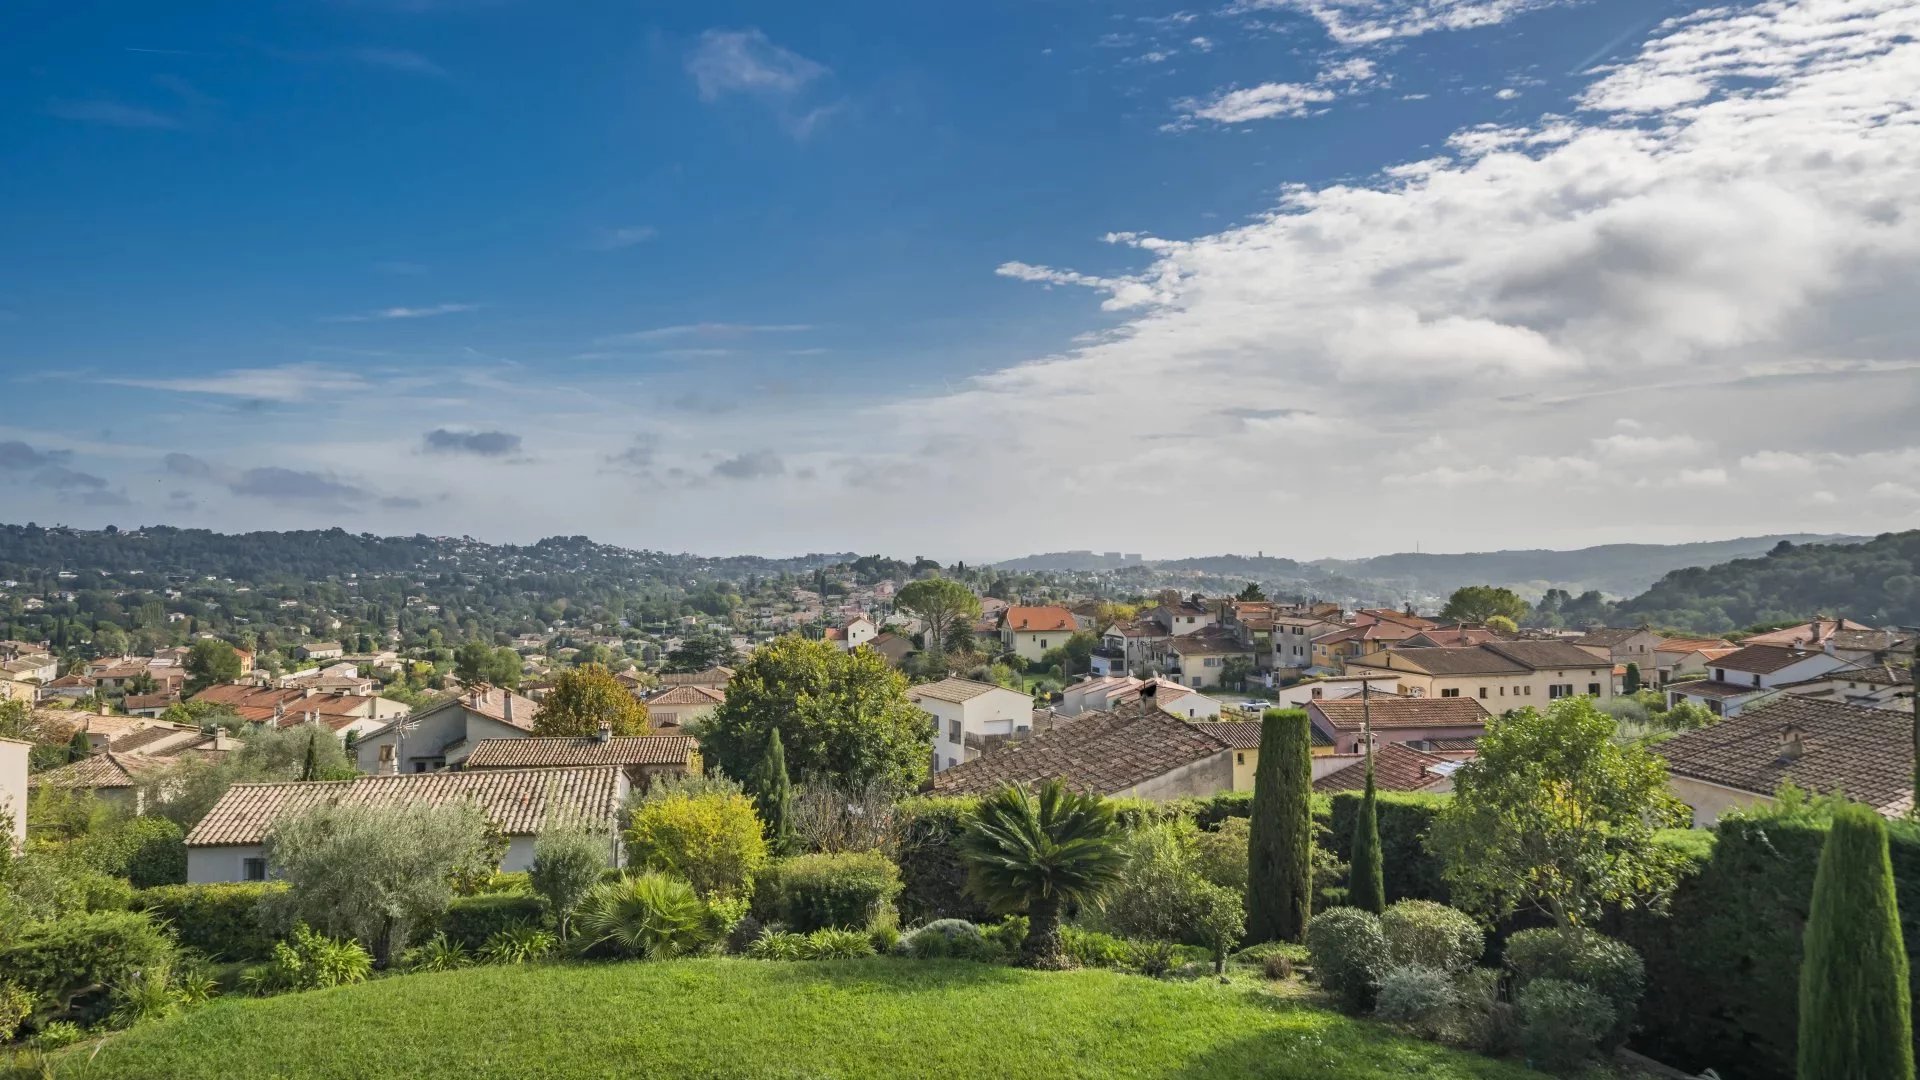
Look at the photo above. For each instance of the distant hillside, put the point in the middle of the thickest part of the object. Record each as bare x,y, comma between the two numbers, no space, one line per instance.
1875,582
1616,570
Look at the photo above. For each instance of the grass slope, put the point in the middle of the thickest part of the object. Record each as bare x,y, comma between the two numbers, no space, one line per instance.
740,1018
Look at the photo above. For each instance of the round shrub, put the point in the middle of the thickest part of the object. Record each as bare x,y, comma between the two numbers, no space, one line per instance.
848,890
1421,933
712,839
65,964
944,939
1349,955
1422,998
1581,956
472,921
1561,1023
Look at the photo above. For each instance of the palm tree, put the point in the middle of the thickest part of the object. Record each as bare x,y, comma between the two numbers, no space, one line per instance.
1038,853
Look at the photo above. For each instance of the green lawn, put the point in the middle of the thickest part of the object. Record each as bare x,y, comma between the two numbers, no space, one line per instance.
743,1018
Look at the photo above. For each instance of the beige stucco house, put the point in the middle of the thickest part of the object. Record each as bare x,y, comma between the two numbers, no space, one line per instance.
439,736
970,717
679,706
229,843
13,790
1029,632
1501,675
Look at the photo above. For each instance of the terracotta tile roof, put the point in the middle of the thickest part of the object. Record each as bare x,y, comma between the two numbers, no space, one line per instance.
1688,645
688,695
100,771
1347,713
718,675
147,701
1712,688
1100,752
1238,734
1450,637
547,752
1208,642
1816,627
517,801
1438,745
1396,767
1020,617
1763,659
1865,753
1476,660
1536,655
1138,628
148,736
247,694
951,689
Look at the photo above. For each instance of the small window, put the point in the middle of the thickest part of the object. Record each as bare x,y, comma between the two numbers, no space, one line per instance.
1593,689
1240,759
419,766
953,731
1503,691
253,869
386,752
1483,691
1450,692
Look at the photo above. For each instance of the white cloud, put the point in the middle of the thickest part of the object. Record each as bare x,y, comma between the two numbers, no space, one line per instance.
1625,447
404,313
1277,99
714,330
1894,492
1778,463
1697,478
288,383
727,63
1358,22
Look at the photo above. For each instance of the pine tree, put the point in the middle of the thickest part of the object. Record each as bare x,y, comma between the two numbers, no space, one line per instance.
1631,681
773,794
1856,1020
310,768
1366,881
1280,848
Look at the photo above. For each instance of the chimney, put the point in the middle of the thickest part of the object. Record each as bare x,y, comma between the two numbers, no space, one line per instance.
604,733
105,711
1828,645
509,705
473,698
1793,745
1816,629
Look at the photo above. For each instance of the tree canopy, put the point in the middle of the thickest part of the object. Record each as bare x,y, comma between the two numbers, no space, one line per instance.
843,716
943,603
583,698
211,661
1478,603
1556,816
478,662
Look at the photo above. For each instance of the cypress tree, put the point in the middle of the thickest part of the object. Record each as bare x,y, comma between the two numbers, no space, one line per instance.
1856,1019
1366,881
773,794
1280,847
1631,682
310,767
79,746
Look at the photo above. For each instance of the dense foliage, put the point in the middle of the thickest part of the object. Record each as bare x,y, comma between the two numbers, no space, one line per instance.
1877,583
1040,853
711,839
849,890
583,699
844,716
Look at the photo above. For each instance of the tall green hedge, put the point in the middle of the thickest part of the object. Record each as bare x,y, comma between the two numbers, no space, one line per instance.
1723,965
471,920
1280,850
221,920
933,876
1404,819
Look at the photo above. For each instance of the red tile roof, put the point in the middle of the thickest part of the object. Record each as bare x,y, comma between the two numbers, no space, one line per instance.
1396,767
1348,713
1038,618
1101,752
548,752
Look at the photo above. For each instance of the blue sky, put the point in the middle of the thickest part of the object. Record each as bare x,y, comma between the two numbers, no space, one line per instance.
768,277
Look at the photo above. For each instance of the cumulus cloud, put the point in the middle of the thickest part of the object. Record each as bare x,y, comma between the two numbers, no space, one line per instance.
1359,22
1278,99
479,443
294,485
752,465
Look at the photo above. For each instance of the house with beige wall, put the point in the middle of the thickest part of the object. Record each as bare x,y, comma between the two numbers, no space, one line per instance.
1752,674
679,706
970,717
1198,660
1029,632
1501,675
13,790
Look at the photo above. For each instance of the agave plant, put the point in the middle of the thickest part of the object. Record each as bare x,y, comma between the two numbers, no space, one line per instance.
1038,853
518,945
648,915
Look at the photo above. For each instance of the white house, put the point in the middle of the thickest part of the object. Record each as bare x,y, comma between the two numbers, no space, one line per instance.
856,632
1104,694
1029,632
1752,674
228,843
1333,688
971,716
440,736
13,789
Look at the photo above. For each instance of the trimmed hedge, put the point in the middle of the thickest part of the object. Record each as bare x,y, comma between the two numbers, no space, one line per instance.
221,921
933,876
817,892
67,964
471,920
1722,966
1411,872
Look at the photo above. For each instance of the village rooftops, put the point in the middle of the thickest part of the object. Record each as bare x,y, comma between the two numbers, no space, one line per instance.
1349,713
518,802
549,752
1763,659
1608,636
1100,752
1396,767
1038,619
1491,658
1819,746
954,690
688,695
